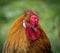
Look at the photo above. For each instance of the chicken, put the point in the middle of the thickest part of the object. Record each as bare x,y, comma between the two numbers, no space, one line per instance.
27,36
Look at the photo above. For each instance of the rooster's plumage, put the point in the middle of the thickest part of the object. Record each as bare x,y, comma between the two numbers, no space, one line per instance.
18,42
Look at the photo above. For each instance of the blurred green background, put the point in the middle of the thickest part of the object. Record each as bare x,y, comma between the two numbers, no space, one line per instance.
48,11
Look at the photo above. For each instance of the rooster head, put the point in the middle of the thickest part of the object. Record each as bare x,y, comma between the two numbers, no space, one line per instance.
31,16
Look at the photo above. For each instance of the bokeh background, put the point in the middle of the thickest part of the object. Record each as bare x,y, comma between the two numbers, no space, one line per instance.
48,11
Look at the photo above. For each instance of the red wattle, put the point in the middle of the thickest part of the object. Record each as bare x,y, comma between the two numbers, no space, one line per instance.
31,34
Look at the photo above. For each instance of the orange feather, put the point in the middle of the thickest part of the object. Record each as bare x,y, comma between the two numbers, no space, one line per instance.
17,41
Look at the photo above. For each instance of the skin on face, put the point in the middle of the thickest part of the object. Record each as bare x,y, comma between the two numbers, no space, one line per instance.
34,20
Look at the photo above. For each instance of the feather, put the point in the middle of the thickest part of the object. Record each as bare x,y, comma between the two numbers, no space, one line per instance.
18,42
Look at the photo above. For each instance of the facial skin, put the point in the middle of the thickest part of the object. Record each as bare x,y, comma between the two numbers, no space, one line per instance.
34,20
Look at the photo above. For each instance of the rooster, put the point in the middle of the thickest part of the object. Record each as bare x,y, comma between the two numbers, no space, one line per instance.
27,36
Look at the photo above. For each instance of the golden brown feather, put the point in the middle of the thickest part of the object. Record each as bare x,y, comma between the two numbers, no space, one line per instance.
17,41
